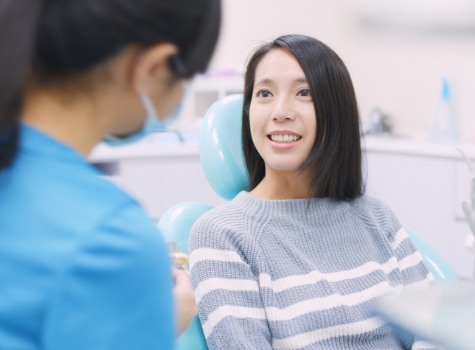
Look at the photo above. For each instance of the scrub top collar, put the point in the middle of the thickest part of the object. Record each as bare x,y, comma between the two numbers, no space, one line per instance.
34,141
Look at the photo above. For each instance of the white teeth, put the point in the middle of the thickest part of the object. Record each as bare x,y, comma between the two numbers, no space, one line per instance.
284,138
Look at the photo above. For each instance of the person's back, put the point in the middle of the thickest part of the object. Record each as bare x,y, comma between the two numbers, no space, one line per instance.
69,265
81,264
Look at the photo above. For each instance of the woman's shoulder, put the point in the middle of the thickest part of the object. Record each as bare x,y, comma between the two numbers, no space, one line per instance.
227,224
367,203
227,214
375,212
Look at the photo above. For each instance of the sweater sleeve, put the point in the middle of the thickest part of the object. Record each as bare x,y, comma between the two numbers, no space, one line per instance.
226,288
411,263
412,269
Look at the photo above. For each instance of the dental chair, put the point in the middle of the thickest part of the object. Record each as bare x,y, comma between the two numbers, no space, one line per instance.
223,163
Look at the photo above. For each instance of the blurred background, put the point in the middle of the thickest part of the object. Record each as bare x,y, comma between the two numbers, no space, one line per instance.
398,51
413,67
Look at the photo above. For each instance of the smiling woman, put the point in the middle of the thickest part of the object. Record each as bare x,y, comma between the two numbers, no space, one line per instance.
282,122
296,261
323,85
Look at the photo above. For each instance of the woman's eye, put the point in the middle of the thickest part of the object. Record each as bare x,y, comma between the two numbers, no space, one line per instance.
305,93
263,93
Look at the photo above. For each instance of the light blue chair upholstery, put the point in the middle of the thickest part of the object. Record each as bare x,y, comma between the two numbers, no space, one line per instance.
440,269
223,163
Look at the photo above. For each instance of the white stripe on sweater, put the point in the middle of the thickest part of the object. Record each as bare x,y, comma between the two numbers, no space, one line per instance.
235,285
410,260
204,254
330,302
399,237
224,311
298,309
286,283
305,339
313,277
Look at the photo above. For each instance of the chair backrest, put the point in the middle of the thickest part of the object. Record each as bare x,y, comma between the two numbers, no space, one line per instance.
440,269
222,160
223,164
221,147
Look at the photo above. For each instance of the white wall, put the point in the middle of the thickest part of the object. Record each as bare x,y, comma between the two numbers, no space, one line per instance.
396,66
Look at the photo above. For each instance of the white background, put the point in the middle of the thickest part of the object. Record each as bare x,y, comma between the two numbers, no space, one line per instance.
397,51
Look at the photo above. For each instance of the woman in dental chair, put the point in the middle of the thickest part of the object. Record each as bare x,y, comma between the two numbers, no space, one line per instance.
296,261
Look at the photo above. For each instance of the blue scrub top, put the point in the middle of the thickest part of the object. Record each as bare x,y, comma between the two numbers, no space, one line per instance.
81,264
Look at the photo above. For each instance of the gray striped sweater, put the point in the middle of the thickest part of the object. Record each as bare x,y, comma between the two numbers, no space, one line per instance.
301,274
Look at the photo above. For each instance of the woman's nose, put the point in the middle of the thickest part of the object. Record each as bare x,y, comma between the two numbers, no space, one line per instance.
283,110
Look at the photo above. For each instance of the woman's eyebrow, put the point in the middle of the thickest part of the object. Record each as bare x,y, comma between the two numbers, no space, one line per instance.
265,81
268,81
301,80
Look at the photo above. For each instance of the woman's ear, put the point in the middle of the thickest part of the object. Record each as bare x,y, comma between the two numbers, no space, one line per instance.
152,65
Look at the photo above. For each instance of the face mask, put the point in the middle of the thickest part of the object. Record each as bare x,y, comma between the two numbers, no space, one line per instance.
152,123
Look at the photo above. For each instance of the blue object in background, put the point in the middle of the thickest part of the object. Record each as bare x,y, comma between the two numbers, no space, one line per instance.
175,225
445,126
220,147
442,272
192,338
151,125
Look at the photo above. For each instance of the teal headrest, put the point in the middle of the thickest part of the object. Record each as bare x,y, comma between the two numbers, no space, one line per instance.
221,147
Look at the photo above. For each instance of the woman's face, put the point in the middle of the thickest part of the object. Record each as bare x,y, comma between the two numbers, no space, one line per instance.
282,115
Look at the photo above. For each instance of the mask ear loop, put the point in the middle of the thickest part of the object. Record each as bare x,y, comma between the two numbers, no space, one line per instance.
178,68
148,105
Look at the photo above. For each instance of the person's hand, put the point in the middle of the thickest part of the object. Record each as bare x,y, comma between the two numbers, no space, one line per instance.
184,300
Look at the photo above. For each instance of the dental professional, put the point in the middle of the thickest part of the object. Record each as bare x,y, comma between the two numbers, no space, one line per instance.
81,264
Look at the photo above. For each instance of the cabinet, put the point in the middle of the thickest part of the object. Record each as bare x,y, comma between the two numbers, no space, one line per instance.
425,185
158,171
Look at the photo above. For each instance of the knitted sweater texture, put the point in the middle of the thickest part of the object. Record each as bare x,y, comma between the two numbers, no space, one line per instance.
301,274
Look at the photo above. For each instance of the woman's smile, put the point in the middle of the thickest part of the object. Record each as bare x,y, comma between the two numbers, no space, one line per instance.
283,140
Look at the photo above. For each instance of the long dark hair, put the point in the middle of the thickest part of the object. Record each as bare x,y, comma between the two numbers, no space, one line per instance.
60,38
335,157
